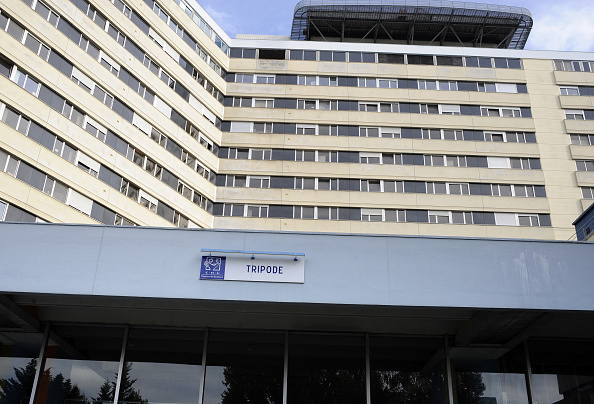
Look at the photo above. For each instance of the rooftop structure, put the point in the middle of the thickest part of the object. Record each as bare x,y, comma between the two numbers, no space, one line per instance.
412,22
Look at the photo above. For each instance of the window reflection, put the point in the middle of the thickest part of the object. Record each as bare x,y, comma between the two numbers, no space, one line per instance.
326,369
244,367
489,376
81,365
162,366
406,370
18,364
562,371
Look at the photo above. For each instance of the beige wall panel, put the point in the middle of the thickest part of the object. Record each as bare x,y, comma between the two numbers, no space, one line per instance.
529,233
453,230
248,167
311,169
255,140
439,97
586,203
362,69
573,78
449,202
578,126
254,114
422,71
309,142
248,223
315,116
332,68
326,226
313,197
257,196
511,75
384,228
479,73
505,124
271,66
385,171
507,149
440,121
579,152
499,99
383,200
576,102
451,174
242,65
509,176
378,119
584,178
515,204
388,70
319,92
260,90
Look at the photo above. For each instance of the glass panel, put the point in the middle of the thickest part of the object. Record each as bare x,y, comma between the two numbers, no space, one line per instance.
163,366
81,364
326,368
483,375
402,372
562,371
244,367
18,363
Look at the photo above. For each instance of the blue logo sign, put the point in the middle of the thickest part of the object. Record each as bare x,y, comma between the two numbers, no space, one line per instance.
212,267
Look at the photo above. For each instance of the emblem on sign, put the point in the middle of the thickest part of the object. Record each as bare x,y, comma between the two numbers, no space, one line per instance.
213,267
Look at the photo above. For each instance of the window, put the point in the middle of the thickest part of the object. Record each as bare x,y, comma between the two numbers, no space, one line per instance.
449,134
588,192
116,34
273,54
242,102
429,109
307,80
328,130
372,186
369,132
387,83
494,136
367,82
569,90
439,217
390,132
370,158
206,142
524,163
369,106
244,78
427,84
487,87
420,60
455,161
372,215
390,58
431,134
573,66
306,129
574,114
258,182
260,154
449,109
256,211
47,13
239,181
328,105
27,82
528,220
263,103
103,96
328,81
448,85
262,127
306,104
458,189
501,112
327,56
37,46
264,79
462,217
435,160
472,61
582,139
585,165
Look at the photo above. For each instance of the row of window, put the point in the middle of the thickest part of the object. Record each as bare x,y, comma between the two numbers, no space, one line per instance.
579,114
375,131
376,185
77,116
588,192
191,12
328,156
574,65
370,57
177,28
11,213
54,143
382,215
376,106
584,165
577,90
139,54
57,190
587,140
32,85
122,73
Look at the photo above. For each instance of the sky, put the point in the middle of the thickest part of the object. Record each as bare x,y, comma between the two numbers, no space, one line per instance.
558,24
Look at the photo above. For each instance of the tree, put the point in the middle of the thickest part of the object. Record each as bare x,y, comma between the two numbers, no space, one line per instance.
17,388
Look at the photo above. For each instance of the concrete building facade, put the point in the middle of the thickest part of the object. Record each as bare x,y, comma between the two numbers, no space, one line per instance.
194,129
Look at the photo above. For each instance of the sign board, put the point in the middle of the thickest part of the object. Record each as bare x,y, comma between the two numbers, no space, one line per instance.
260,269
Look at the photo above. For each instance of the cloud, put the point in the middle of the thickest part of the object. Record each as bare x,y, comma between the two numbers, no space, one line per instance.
562,26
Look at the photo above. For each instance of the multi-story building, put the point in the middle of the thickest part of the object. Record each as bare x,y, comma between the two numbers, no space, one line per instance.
338,153
342,128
